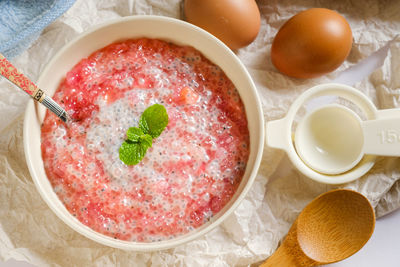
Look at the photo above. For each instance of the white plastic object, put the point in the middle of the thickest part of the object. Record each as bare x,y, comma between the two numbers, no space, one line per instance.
333,139
279,132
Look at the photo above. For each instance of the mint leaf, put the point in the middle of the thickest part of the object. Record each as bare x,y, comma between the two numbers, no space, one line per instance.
134,134
132,153
146,139
154,120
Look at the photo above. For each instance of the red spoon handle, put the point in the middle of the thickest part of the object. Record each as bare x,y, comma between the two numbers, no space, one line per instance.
13,75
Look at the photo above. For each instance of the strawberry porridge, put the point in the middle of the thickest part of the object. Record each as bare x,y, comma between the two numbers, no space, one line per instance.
188,174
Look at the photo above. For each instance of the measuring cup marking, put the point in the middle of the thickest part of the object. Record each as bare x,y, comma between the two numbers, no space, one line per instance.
388,136
383,136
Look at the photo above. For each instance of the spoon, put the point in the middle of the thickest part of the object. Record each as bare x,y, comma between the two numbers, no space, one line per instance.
331,228
8,71
333,139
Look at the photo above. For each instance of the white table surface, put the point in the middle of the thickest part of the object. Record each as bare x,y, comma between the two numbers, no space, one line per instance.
383,249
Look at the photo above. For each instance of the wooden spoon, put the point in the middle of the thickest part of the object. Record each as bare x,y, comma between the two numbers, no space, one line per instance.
331,228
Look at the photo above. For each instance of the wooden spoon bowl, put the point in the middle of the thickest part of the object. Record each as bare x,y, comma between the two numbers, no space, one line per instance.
331,228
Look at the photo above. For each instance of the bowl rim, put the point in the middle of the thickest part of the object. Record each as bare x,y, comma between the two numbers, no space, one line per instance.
192,235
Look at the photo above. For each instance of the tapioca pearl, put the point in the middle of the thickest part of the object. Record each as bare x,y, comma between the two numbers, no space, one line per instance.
210,142
76,154
116,171
194,84
158,82
227,173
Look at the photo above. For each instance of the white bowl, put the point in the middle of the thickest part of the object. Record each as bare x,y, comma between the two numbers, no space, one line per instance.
178,32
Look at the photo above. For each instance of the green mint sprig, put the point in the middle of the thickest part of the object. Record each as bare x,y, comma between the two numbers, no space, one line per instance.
151,124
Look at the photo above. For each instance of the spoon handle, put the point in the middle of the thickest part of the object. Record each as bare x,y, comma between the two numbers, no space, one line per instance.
282,257
289,254
11,73
8,71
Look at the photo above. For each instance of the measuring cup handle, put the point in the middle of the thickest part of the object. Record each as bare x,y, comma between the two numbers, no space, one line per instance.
276,134
388,113
382,135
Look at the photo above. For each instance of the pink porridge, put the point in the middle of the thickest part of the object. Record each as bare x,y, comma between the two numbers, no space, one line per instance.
193,168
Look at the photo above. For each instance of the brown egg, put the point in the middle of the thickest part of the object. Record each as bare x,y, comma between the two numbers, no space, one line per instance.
312,43
234,22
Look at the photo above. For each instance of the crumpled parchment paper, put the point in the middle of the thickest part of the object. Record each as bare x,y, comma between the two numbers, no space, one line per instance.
30,231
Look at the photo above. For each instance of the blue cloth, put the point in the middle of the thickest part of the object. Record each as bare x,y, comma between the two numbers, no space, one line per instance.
22,21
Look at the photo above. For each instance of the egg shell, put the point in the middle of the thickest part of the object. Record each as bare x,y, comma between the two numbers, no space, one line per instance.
312,43
234,22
